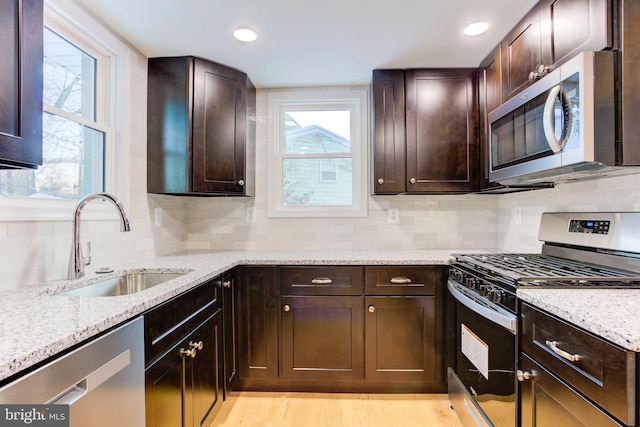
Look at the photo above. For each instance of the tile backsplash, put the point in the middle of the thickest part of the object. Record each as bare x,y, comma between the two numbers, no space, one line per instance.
519,213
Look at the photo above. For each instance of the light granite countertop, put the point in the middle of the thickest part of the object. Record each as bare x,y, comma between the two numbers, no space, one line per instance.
613,314
36,324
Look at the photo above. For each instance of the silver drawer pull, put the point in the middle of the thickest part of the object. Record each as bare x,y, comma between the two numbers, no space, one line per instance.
553,345
321,281
400,280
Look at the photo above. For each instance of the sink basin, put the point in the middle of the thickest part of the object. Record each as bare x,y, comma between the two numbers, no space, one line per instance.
126,284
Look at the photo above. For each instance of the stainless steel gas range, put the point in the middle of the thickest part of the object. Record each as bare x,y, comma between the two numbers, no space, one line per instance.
580,250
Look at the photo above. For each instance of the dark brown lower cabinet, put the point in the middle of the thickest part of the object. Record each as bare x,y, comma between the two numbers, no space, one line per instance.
257,293
184,387
316,328
571,377
322,338
400,336
547,401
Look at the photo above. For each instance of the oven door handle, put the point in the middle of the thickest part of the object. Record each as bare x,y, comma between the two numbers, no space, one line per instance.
502,317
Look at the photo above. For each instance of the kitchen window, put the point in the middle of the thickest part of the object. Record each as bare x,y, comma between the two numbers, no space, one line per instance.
317,154
79,152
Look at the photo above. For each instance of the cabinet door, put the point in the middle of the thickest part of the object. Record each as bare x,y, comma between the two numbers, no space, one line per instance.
322,338
219,128
163,390
229,307
21,83
257,322
547,401
205,371
573,26
389,141
522,53
442,130
400,336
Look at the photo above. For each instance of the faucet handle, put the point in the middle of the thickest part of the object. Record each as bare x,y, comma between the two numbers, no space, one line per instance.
87,259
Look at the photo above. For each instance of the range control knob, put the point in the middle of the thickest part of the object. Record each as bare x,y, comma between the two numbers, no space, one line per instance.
484,290
495,295
456,275
472,283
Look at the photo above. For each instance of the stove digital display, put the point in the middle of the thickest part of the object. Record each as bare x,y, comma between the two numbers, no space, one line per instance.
594,227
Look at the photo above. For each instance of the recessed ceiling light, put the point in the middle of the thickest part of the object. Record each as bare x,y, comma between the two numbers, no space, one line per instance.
476,28
245,35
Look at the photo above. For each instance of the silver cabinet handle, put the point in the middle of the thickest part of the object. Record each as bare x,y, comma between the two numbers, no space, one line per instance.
226,284
400,280
372,309
188,353
241,182
524,375
286,307
321,281
553,345
413,180
196,345
380,181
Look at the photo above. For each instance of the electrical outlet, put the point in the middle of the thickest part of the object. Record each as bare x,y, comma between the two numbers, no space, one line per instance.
394,216
517,215
251,214
157,212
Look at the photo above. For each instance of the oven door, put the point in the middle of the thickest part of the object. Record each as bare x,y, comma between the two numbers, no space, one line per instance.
482,384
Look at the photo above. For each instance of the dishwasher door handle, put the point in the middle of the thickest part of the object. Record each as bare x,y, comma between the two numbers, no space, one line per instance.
93,380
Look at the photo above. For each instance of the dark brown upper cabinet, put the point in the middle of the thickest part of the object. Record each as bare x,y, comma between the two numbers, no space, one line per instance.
200,128
442,130
425,131
21,84
552,32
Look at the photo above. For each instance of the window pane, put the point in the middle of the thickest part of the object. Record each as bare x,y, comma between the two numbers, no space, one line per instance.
69,76
317,182
310,132
73,163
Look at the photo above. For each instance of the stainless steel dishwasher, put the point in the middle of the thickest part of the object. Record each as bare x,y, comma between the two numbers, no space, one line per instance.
102,381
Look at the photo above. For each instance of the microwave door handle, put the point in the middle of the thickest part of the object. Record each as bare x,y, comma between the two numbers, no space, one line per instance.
547,120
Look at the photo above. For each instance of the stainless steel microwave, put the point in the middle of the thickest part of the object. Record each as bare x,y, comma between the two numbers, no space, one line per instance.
561,128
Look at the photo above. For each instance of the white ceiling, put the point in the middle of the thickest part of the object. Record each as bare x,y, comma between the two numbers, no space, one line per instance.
313,42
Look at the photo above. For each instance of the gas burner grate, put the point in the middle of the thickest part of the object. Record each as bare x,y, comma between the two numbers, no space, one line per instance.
544,268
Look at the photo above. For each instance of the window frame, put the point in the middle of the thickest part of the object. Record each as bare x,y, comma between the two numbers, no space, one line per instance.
80,29
355,99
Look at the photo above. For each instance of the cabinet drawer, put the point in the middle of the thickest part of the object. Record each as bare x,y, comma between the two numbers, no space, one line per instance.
171,321
547,401
325,280
600,370
400,280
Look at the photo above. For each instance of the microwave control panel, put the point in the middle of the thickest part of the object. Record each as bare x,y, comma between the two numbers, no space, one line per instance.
595,227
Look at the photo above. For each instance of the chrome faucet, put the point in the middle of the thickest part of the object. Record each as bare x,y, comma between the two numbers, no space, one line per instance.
78,261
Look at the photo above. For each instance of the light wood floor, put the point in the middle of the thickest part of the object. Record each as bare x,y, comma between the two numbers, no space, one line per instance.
259,409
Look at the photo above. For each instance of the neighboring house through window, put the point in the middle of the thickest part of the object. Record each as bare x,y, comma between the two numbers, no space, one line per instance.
318,154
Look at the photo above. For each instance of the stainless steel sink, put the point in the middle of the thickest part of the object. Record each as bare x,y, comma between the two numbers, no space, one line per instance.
126,284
